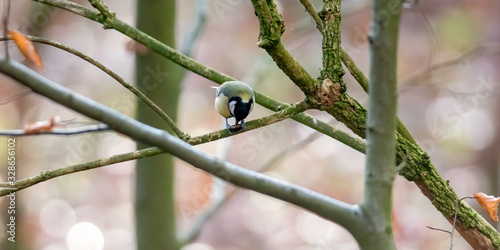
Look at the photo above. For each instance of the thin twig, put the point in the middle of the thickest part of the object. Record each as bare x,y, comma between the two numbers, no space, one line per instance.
334,210
313,13
196,27
47,175
438,229
115,76
457,207
205,71
101,7
287,151
425,73
431,36
353,68
16,96
220,197
57,131
50,174
217,198
6,17
286,113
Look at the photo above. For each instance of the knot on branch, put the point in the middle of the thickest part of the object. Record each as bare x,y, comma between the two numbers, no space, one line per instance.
266,42
329,92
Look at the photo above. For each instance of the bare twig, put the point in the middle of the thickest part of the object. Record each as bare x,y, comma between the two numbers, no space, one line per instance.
101,7
438,229
313,13
457,207
115,76
6,17
47,175
425,73
196,27
57,131
288,112
14,97
205,71
287,151
344,214
219,196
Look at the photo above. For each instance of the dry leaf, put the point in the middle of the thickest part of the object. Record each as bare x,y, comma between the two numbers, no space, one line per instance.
489,203
140,49
42,126
26,47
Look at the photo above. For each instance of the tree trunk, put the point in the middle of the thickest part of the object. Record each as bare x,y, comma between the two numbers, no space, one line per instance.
159,79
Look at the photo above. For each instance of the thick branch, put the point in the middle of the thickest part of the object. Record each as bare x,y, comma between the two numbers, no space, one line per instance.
381,124
47,175
419,169
344,214
351,65
203,70
328,95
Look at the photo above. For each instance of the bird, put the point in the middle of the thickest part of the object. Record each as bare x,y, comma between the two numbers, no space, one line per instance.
234,99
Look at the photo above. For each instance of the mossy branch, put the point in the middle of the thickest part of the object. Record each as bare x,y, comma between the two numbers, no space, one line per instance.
420,170
286,113
351,65
201,69
418,167
343,213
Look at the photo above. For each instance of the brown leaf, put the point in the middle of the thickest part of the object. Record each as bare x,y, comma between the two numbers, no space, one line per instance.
489,203
41,126
140,49
26,47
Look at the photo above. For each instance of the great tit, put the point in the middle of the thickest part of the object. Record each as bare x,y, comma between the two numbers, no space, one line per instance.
234,99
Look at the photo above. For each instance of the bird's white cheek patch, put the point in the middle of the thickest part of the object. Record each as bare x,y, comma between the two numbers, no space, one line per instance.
231,106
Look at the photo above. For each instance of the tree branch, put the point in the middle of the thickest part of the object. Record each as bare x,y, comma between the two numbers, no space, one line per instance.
47,175
196,27
425,73
217,198
58,131
309,6
419,169
328,95
290,111
50,174
203,70
343,213
115,76
14,97
381,124
351,65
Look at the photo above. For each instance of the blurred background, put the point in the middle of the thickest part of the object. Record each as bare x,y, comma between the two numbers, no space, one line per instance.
448,82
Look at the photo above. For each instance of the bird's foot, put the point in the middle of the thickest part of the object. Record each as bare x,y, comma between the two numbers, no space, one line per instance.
228,127
243,125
